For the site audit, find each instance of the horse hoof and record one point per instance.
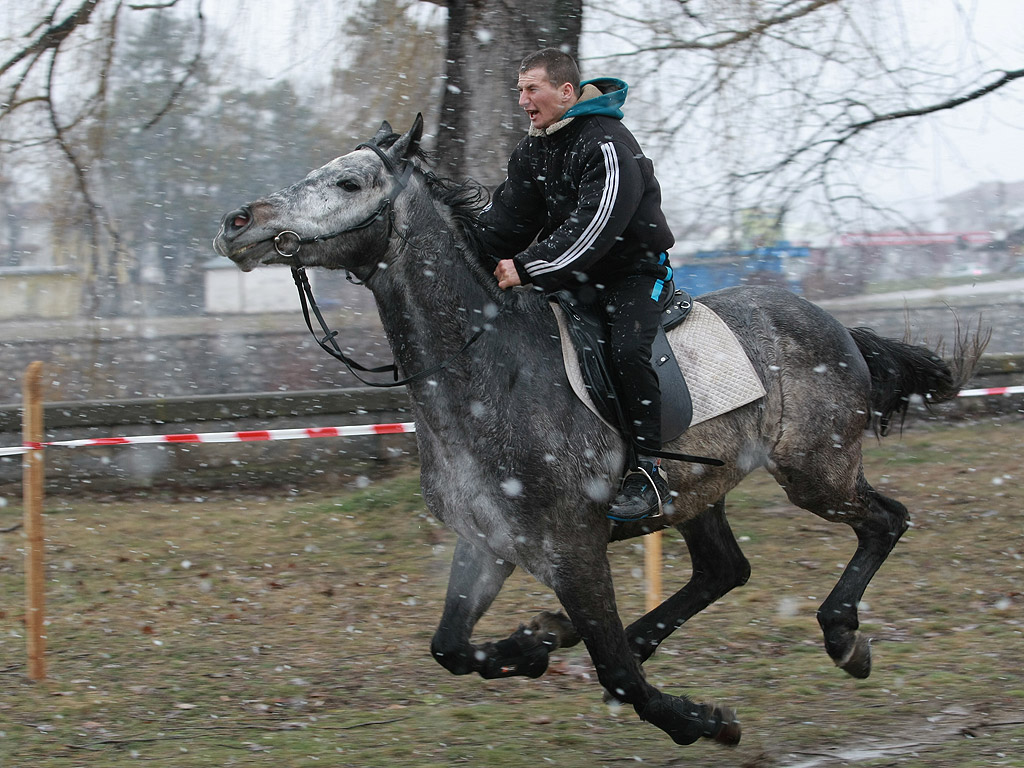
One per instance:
(509, 657)
(730, 733)
(685, 722)
(857, 661)
(557, 624)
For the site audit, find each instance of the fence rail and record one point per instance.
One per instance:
(267, 463)
(217, 465)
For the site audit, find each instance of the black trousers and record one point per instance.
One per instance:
(633, 309)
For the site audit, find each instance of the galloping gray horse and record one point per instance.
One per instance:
(523, 472)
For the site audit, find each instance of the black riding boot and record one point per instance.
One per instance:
(643, 494)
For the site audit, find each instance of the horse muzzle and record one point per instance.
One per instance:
(233, 226)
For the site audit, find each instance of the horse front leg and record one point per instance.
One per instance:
(583, 584)
(476, 578)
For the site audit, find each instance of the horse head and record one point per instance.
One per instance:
(340, 216)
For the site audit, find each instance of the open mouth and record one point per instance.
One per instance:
(237, 253)
(242, 255)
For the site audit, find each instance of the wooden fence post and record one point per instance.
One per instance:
(652, 569)
(32, 489)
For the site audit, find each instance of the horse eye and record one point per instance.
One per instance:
(348, 185)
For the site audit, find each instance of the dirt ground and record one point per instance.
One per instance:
(292, 628)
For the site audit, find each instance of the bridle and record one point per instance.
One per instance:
(288, 243)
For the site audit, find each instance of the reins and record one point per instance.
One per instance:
(329, 344)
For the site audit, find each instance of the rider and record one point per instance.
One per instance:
(580, 210)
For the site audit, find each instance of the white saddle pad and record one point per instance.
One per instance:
(717, 370)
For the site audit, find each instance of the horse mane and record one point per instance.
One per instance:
(466, 200)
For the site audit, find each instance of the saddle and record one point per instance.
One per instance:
(589, 337)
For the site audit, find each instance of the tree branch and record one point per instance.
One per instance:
(153, 6)
(734, 38)
(1007, 78)
(53, 36)
(193, 67)
(844, 135)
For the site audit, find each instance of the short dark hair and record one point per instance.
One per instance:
(559, 65)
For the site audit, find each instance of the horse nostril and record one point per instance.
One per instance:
(238, 220)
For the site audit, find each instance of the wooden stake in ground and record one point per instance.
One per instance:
(652, 569)
(32, 481)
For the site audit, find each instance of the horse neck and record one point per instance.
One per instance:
(432, 298)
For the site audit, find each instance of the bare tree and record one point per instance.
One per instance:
(55, 80)
(786, 103)
(396, 55)
(750, 105)
(480, 120)
(79, 88)
(58, 69)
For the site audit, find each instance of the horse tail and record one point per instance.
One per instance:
(900, 370)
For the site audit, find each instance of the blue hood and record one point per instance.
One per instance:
(609, 103)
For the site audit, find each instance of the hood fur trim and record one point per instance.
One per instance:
(589, 92)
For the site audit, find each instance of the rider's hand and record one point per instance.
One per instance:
(507, 275)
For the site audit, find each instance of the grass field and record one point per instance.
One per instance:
(292, 629)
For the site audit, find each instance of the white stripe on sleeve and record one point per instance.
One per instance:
(593, 230)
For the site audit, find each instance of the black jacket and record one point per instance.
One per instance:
(589, 197)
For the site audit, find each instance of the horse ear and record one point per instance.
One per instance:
(383, 132)
(408, 143)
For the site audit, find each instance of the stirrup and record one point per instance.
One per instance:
(654, 485)
(652, 514)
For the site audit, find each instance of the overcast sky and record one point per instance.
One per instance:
(976, 142)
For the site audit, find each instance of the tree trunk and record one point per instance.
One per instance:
(481, 121)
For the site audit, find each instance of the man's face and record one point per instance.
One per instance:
(544, 103)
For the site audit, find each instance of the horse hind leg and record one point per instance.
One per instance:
(717, 566)
(877, 533)
(879, 522)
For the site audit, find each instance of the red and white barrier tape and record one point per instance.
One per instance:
(303, 433)
(224, 437)
(991, 391)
